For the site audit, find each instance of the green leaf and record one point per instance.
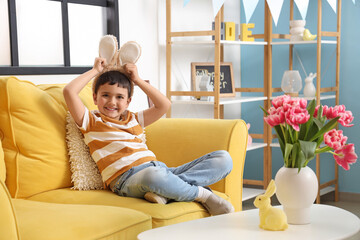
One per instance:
(323, 149)
(308, 149)
(331, 124)
(297, 157)
(311, 107)
(320, 112)
(318, 123)
(300, 160)
(291, 131)
(281, 138)
(294, 154)
(313, 129)
(320, 116)
(288, 149)
(266, 113)
(304, 128)
(320, 140)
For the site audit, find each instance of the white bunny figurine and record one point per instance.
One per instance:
(309, 89)
(273, 219)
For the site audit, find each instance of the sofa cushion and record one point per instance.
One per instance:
(8, 225)
(66, 221)
(162, 215)
(32, 119)
(2, 162)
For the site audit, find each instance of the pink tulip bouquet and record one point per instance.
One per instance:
(301, 130)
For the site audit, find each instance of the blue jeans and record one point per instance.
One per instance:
(178, 183)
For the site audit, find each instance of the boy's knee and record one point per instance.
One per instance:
(224, 160)
(153, 176)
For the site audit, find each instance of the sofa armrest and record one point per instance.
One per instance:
(178, 141)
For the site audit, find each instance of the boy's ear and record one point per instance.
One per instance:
(94, 98)
(129, 100)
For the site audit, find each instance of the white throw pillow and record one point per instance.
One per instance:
(85, 174)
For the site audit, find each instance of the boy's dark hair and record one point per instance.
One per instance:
(114, 77)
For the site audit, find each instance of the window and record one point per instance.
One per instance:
(58, 38)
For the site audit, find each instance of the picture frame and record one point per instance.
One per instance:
(227, 86)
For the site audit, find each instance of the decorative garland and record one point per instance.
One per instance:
(274, 5)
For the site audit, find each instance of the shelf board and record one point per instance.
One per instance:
(326, 190)
(303, 42)
(254, 146)
(249, 193)
(212, 42)
(322, 97)
(223, 101)
(261, 43)
(277, 145)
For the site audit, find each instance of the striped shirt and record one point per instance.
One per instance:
(115, 145)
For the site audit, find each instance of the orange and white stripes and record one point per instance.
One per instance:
(115, 145)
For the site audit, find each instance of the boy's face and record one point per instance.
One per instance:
(112, 100)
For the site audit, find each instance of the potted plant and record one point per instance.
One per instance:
(301, 130)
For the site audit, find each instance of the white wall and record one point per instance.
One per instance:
(196, 15)
(139, 22)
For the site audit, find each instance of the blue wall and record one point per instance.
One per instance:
(252, 68)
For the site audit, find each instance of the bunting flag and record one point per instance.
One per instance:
(332, 4)
(275, 9)
(302, 5)
(249, 8)
(217, 5)
(274, 5)
(186, 2)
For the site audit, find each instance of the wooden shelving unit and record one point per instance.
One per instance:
(320, 91)
(268, 40)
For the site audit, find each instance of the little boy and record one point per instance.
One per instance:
(114, 136)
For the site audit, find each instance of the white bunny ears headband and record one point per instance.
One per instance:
(116, 59)
(128, 53)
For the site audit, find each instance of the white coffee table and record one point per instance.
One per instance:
(327, 222)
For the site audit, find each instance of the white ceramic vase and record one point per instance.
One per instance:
(296, 191)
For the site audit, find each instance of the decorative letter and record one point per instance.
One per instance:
(230, 31)
(245, 33)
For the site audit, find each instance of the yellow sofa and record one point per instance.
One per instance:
(36, 199)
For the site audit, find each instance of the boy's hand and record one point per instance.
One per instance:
(132, 72)
(99, 64)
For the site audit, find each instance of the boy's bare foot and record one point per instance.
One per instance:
(217, 205)
(154, 198)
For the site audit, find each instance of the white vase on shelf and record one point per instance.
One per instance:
(309, 89)
(297, 28)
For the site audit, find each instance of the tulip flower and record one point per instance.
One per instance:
(300, 135)
(346, 156)
(335, 139)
